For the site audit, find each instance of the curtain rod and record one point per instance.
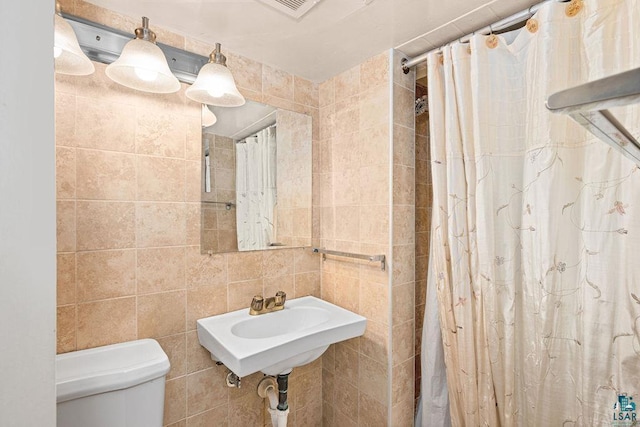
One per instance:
(516, 18)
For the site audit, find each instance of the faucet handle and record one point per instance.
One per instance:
(281, 297)
(257, 302)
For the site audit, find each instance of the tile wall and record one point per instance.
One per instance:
(354, 187)
(129, 262)
(367, 206)
(423, 224)
(218, 233)
(403, 319)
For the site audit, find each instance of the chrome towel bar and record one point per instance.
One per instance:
(373, 258)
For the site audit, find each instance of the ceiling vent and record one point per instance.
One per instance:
(294, 8)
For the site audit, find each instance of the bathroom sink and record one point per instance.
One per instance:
(277, 342)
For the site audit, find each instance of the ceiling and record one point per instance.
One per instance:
(332, 37)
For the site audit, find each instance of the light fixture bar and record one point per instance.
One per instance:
(104, 44)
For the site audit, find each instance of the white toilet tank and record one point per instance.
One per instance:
(120, 385)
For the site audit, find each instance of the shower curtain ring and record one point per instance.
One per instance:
(492, 40)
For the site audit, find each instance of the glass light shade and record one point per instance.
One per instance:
(215, 86)
(143, 66)
(208, 118)
(69, 58)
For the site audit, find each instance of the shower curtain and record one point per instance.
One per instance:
(256, 168)
(536, 229)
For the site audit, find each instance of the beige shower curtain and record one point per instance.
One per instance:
(536, 225)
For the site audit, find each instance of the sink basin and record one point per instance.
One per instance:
(277, 342)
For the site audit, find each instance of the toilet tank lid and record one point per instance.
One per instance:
(112, 367)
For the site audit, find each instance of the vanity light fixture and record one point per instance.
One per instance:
(214, 84)
(142, 65)
(208, 118)
(69, 58)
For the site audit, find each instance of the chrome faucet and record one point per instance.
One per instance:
(260, 305)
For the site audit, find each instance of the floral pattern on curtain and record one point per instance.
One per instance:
(536, 225)
(256, 198)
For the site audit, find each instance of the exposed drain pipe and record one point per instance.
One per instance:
(278, 406)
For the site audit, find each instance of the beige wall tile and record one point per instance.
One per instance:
(217, 417)
(308, 284)
(305, 92)
(198, 358)
(403, 342)
(326, 93)
(374, 146)
(346, 363)
(161, 133)
(245, 266)
(402, 413)
(374, 184)
(65, 173)
(404, 224)
(204, 302)
(346, 403)
(160, 269)
(403, 303)
(175, 405)
(347, 223)
(347, 84)
(241, 293)
(374, 301)
(66, 279)
(160, 179)
(66, 226)
(246, 411)
(403, 185)
(105, 175)
(375, 343)
(204, 270)
(374, 107)
(404, 263)
(277, 83)
(371, 412)
(277, 262)
(192, 184)
(106, 274)
(373, 379)
(374, 224)
(66, 332)
(106, 322)
(271, 285)
(175, 346)
(206, 390)
(374, 71)
(161, 314)
(404, 152)
(105, 125)
(403, 106)
(65, 111)
(402, 387)
(246, 72)
(192, 213)
(105, 225)
(160, 224)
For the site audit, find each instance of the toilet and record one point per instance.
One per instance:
(112, 386)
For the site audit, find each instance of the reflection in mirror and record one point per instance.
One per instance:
(256, 179)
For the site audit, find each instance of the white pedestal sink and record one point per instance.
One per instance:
(277, 342)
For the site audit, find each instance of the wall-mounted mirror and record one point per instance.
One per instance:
(256, 179)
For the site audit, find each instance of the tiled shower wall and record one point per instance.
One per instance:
(367, 197)
(129, 262)
(403, 278)
(355, 200)
(423, 225)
